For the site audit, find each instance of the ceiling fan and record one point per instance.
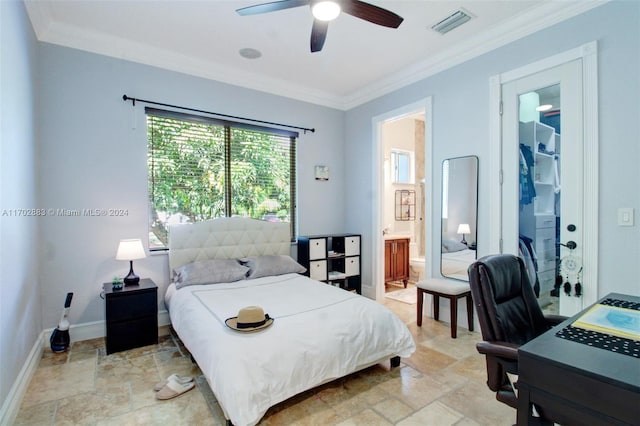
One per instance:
(325, 11)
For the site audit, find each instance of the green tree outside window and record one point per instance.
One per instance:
(202, 168)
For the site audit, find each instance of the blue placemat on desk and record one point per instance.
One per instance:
(601, 340)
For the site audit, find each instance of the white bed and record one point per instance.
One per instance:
(319, 332)
(455, 264)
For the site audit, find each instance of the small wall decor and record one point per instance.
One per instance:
(405, 205)
(322, 172)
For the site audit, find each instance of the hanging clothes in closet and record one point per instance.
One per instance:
(527, 189)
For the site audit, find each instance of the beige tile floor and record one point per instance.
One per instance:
(442, 383)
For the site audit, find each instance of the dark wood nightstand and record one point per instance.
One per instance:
(131, 315)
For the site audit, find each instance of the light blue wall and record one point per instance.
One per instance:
(461, 127)
(92, 157)
(20, 308)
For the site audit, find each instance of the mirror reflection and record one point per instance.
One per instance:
(459, 216)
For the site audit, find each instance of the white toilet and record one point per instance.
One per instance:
(416, 264)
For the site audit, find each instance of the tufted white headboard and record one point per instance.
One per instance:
(226, 238)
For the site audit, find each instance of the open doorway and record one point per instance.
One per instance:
(403, 217)
(404, 200)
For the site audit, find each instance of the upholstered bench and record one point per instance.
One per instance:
(452, 290)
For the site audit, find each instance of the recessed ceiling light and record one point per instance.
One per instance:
(250, 53)
(543, 108)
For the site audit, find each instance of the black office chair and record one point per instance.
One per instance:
(509, 316)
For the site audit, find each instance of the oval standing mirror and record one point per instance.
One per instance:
(459, 216)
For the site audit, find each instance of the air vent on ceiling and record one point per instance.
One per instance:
(452, 21)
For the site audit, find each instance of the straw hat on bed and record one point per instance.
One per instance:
(250, 318)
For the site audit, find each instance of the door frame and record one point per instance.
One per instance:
(588, 54)
(377, 249)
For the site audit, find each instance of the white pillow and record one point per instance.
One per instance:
(451, 246)
(209, 272)
(265, 266)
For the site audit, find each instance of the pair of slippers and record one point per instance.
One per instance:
(174, 386)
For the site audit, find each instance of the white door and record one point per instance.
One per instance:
(542, 189)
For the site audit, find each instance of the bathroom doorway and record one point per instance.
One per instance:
(403, 220)
(404, 200)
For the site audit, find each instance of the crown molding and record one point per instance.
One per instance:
(40, 17)
(532, 21)
(529, 22)
(50, 31)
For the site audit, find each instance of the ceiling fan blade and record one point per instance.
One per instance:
(371, 13)
(318, 34)
(272, 7)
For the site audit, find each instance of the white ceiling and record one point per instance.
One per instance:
(359, 62)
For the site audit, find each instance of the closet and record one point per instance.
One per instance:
(539, 209)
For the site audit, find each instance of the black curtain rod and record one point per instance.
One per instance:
(134, 100)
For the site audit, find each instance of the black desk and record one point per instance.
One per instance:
(577, 384)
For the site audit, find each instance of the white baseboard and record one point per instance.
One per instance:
(11, 405)
(96, 329)
(79, 332)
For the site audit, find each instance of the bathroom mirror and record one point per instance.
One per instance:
(459, 216)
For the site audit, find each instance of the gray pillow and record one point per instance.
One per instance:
(265, 266)
(209, 272)
(451, 246)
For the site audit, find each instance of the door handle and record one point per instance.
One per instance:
(570, 245)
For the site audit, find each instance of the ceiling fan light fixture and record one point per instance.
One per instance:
(325, 10)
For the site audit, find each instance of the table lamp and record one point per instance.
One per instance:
(130, 250)
(463, 228)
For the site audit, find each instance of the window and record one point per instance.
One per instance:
(201, 168)
(401, 166)
(445, 189)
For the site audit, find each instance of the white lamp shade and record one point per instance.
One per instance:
(130, 250)
(463, 228)
(325, 10)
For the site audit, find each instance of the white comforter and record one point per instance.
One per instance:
(320, 333)
(455, 264)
